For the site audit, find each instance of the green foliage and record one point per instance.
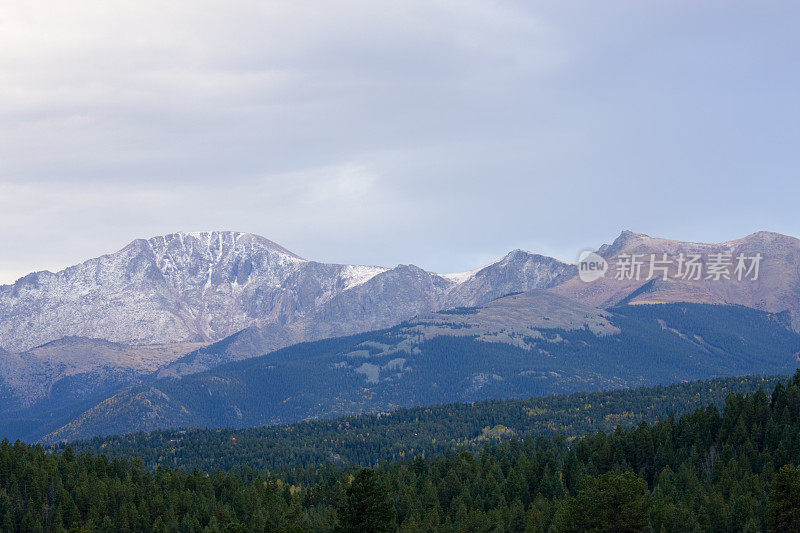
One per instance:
(783, 511)
(367, 507)
(611, 502)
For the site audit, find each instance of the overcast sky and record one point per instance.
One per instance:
(442, 134)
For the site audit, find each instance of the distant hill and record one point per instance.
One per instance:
(463, 355)
(43, 388)
(373, 439)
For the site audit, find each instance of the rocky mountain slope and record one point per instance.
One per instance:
(176, 288)
(776, 286)
(382, 301)
(400, 293)
(203, 287)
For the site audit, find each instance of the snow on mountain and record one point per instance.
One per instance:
(355, 275)
(205, 286)
(460, 277)
(519, 271)
(181, 287)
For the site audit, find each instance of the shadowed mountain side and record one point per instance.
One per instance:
(464, 355)
(48, 385)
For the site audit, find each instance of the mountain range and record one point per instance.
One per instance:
(204, 287)
(111, 333)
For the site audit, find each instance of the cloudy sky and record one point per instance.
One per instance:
(437, 133)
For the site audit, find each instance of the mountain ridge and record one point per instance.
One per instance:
(777, 287)
(205, 286)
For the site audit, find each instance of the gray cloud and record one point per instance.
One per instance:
(441, 133)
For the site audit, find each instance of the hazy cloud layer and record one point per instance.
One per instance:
(439, 133)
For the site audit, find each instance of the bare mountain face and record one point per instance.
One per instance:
(204, 287)
(382, 301)
(251, 296)
(774, 287)
(406, 291)
(177, 288)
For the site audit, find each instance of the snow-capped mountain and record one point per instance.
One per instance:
(190, 287)
(185, 303)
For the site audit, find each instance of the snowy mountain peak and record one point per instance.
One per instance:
(205, 286)
(219, 242)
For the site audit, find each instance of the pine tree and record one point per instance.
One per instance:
(367, 507)
(783, 511)
(608, 503)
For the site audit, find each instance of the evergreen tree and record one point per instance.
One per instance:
(367, 507)
(783, 511)
(611, 502)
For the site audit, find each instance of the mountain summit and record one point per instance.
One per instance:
(775, 287)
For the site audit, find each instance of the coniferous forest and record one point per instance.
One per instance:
(728, 469)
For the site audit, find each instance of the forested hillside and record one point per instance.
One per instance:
(368, 440)
(711, 470)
